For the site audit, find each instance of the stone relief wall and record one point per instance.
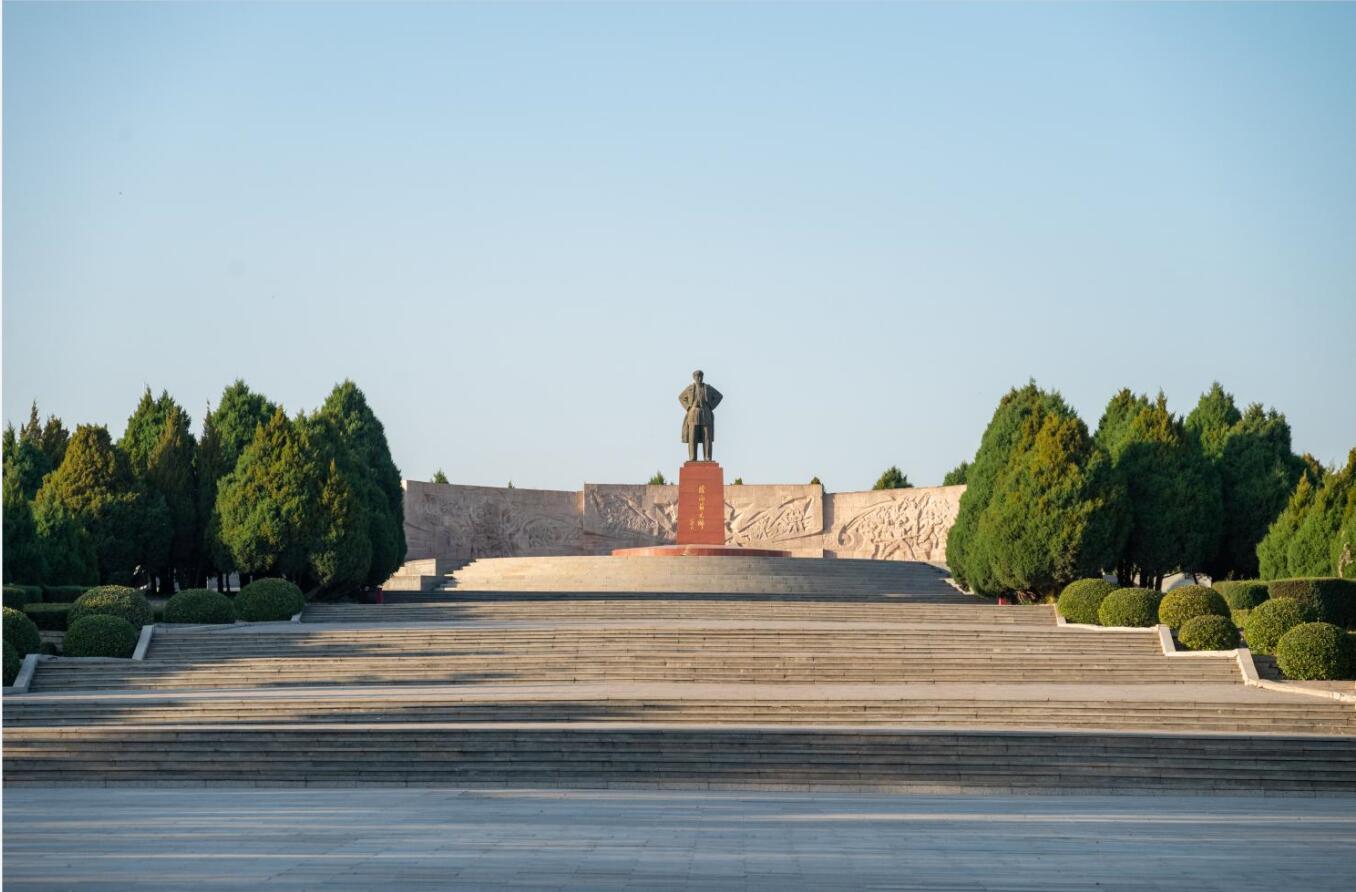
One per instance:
(460, 522)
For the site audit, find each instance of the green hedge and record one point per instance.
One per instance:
(113, 600)
(1315, 651)
(17, 596)
(1334, 600)
(1080, 599)
(64, 594)
(269, 600)
(1270, 620)
(199, 605)
(1242, 594)
(20, 631)
(49, 617)
(13, 662)
(100, 635)
(1209, 632)
(1188, 602)
(1130, 607)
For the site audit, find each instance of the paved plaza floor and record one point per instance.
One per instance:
(214, 838)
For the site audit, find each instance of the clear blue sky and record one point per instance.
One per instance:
(519, 228)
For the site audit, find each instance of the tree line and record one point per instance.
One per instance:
(315, 498)
(1148, 493)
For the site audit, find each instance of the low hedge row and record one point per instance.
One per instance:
(17, 596)
(63, 594)
(1333, 600)
(1242, 594)
(1080, 600)
(49, 617)
(1320, 651)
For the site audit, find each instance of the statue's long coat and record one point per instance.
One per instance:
(695, 415)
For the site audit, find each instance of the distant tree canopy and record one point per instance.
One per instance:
(1148, 494)
(315, 498)
(893, 478)
(439, 476)
(656, 479)
(814, 481)
(956, 476)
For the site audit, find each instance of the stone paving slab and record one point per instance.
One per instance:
(368, 838)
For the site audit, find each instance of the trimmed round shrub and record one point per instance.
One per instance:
(113, 600)
(1080, 599)
(1130, 607)
(1271, 619)
(268, 600)
(49, 617)
(17, 596)
(63, 594)
(1242, 594)
(1315, 651)
(1189, 602)
(1333, 599)
(199, 605)
(20, 631)
(13, 662)
(100, 635)
(1208, 632)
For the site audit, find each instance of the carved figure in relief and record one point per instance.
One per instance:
(699, 424)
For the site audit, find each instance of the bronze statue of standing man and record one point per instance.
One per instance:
(699, 425)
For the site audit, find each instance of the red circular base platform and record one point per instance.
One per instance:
(698, 551)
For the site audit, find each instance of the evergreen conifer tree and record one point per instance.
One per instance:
(361, 434)
(1173, 490)
(1057, 511)
(1310, 550)
(160, 450)
(269, 504)
(1272, 559)
(967, 564)
(893, 478)
(127, 526)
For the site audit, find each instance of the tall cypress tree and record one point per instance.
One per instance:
(1272, 559)
(227, 430)
(24, 561)
(996, 448)
(1057, 513)
(1310, 550)
(160, 450)
(128, 527)
(269, 504)
(361, 434)
(1173, 490)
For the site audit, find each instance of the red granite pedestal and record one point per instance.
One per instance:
(701, 504)
(701, 519)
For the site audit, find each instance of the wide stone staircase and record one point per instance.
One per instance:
(676, 671)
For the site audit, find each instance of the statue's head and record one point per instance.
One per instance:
(697, 376)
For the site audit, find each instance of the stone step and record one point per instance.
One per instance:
(452, 611)
(1316, 718)
(741, 757)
